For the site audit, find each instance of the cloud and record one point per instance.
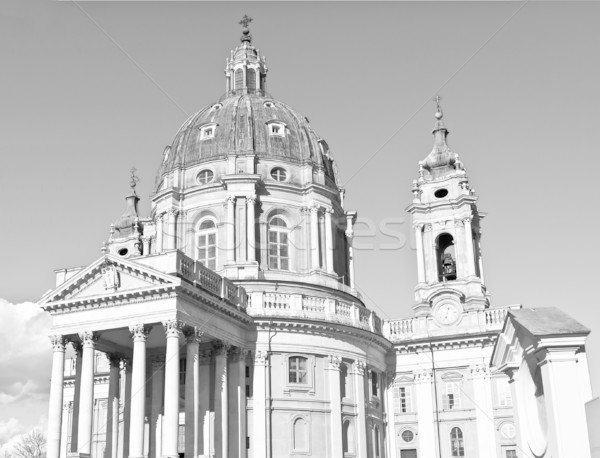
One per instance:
(26, 362)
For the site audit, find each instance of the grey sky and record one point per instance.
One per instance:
(77, 113)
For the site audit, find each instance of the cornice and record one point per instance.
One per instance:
(447, 343)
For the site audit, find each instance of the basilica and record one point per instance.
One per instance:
(227, 323)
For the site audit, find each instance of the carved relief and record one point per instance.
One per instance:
(360, 367)
(88, 339)
(173, 328)
(261, 357)
(423, 376)
(111, 277)
(139, 332)
(58, 343)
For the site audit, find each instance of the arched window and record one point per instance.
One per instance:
(206, 240)
(251, 80)
(446, 257)
(279, 256)
(300, 432)
(344, 382)
(298, 369)
(456, 442)
(348, 436)
(239, 77)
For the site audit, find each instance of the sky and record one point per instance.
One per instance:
(91, 89)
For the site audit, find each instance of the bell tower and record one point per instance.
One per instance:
(447, 229)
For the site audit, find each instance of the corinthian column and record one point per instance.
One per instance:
(230, 202)
(192, 408)
(221, 402)
(484, 409)
(86, 394)
(171, 418)
(56, 397)
(112, 415)
(250, 204)
(259, 409)
(423, 388)
(159, 233)
(420, 259)
(172, 229)
(469, 247)
(139, 334)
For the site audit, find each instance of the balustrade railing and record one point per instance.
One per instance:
(312, 307)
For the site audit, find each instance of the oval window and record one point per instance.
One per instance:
(441, 193)
(407, 435)
(205, 176)
(123, 252)
(279, 174)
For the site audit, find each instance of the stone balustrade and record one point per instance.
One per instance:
(489, 320)
(313, 308)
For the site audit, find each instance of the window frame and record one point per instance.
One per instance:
(276, 129)
(457, 451)
(273, 174)
(278, 261)
(309, 386)
(208, 131)
(201, 181)
(451, 398)
(205, 233)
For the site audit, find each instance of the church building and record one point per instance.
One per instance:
(227, 323)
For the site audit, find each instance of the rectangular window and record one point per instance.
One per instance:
(247, 441)
(248, 391)
(405, 399)
(412, 453)
(247, 371)
(504, 395)
(298, 372)
(374, 384)
(451, 398)
(182, 368)
(511, 454)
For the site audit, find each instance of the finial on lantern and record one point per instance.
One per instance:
(134, 179)
(246, 20)
(439, 114)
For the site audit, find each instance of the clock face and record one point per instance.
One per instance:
(448, 313)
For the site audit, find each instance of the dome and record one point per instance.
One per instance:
(243, 124)
(246, 121)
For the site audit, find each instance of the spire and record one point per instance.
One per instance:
(441, 159)
(127, 223)
(245, 70)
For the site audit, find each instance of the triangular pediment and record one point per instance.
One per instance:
(108, 276)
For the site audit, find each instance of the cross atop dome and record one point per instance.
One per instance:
(246, 20)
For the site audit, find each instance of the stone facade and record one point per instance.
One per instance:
(227, 322)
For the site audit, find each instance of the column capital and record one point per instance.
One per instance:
(314, 207)
(204, 355)
(192, 335)
(221, 348)
(238, 354)
(428, 227)
(261, 357)
(58, 343)
(173, 328)
(423, 376)
(159, 217)
(479, 371)
(88, 339)
(467, 220)
(251, 199)
(139, 332)
(114, 359)
(360, 367)
(172, 211)
(418, 226)
(458, 223)
(230, 200)
(334, 362)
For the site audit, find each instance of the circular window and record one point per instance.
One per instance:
(217, 106)
(123, 251)
(408, 435)
(508, 430)
(441, 193)
(205, 176)
(268, 104)
(279, 174)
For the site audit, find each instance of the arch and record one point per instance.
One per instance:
(278, 242)
(446, 257)
(239, 79)
(457, 444)
(300, 434)
(206, 241)
(251, 79)
(348, 434)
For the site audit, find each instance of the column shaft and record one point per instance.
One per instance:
(329, 240)
(420, 260)
(335, 400)
(86, 395)
(314, 237)
(204, 402)
(221, 403)
(191, 397)
(159, 233)
(75, 414)
(55, 410)
(425, 413)
(361, 420)
(172, 230)
(138, 392)
(230, 229)
(112, 415)
(258, 442)
(251, 224)
(484, 410)
(158, 382)
(469, 247)
(170, 430)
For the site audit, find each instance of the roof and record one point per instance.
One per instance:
(548, 321)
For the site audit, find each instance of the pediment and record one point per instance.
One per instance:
(108, 276)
